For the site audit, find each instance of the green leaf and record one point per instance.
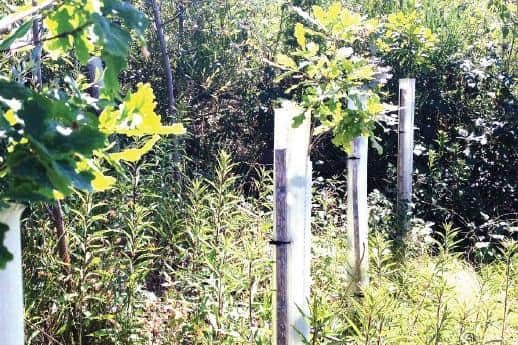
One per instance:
(114, 65)
(114, 39)
(300, 35)
(20, 32)
(59, 22)
(83, 47)
(131, 16)
(81, 180)
(29, 179)
(285, 60)
(60, 128)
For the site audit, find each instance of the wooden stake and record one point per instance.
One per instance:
(281, 242)
(357, 212)
(405, 155)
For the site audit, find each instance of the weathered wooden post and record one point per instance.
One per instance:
(281, 239)
(292, 221)
(405, 156)
(357, 212)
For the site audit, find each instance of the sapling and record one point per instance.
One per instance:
(55, 144)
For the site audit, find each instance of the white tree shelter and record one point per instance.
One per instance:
(293, 172)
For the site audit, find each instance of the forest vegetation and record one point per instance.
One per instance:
(149, 183)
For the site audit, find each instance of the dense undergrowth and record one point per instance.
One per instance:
(162, 261)
(192, 265)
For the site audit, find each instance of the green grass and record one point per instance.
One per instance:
(193, 266)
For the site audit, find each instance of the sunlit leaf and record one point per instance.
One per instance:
(19, 33)
(133, 155)
(102, 182)
(136, 116)
(285, 60)
(299, 35)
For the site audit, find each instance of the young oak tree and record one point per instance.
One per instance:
(332, 66)
(54, 143)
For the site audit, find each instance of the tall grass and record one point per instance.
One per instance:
(192, 265)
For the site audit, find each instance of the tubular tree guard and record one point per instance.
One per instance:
(357, 212)
(11, 280)
(406, 112)
(292, 226)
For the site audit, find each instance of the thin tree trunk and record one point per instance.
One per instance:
(36, 52)
(168, 78)
(64, 253)
(181, 21)
(165, 59)
(55, 211)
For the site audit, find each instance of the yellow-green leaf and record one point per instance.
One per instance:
(11, 117)
(319, 14)
(136, 116)
(334, 11)
(133, 155)
(102, 182)
(285, 60)
(299, 35)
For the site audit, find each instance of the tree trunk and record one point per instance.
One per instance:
(64, 254)
(36, 52)
(168, 78)
(55, 211)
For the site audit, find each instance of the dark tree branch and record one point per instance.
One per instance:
(61, 35)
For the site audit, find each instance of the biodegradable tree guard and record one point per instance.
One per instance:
(292, 221)
(405, 154)
(11, 280)
(357, 212)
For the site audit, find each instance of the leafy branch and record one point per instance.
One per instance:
(9, 21)
(46, 39)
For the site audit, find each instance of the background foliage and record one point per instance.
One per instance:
(157, 260)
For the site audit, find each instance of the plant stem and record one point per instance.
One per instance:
(506, 298)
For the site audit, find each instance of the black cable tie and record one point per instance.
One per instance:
(279, 243)
(353, 158)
